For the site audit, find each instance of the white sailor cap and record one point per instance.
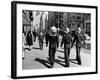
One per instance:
(79, 29)
(67, 30)
(53, 29)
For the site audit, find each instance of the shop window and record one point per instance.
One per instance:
(78, 18)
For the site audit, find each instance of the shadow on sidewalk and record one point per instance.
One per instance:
(62, 63)
(35, 48)
(60, 51)
(70, 60)
(27, 49)
(44, 62)
(73, 61)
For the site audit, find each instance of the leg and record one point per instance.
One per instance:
(66, 57)
(54, 51)
(39, 44)
(68, 52)
(62, 42)
(78, 58)
(34, 38)
(51, 56)
(42, 45)
(23, 52)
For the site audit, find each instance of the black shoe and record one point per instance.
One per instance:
(23, 58)
(51, 65)
(76, 59)
(66, 65)
(79, 62)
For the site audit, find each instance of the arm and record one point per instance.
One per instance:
(84, 42)
(83, 39)
(71, 38)
(57, 41)
(32, 36)
(47, 39)
(73, 41)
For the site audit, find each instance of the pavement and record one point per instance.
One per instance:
(38, 59)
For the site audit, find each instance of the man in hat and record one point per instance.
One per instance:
(79, 39)
(67, 38)
(53, 44)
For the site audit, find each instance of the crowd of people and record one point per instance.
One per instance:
(69, 38)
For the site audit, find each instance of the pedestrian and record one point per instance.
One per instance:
(67, 39)
(79, 39)
(29, 38)
(34, 34)
(41, 35)
(53, 44)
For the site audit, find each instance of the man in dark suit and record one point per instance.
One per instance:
(53, 44)
(67, 45)
(41, 40)
(79, 39)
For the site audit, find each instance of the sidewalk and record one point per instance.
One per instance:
(38, 59)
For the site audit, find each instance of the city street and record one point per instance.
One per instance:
(38, 59)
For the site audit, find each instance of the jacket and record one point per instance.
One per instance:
(79, 39)
(67, 40)
(53, 41)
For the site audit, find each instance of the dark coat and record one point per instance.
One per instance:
(67, 38)
(29, 39)
(53, 41)
(79, 39)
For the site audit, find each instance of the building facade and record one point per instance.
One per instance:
(55, 19)
(35, 20)
(75, 20)
(26, 21)
(87, 23)
(51, 19)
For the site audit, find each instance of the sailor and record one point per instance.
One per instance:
(67, 38)
(53, 44)
(79, 39)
